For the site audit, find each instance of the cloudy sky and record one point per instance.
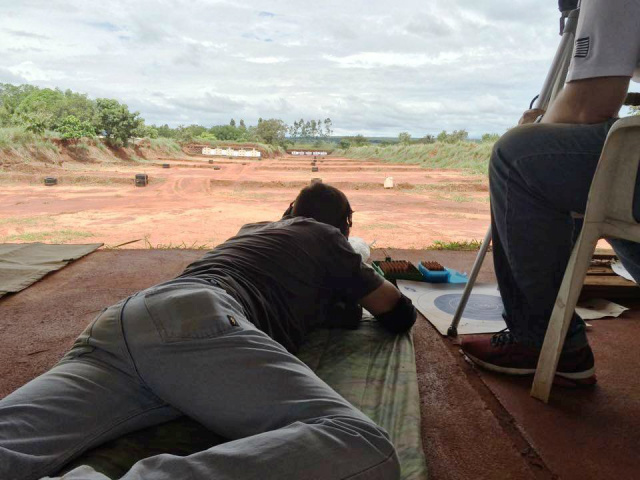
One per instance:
(374, 67)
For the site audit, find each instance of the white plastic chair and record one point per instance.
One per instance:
(608, 214)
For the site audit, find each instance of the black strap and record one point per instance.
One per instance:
(565, 5)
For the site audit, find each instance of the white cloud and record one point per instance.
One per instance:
(33, 73)
(267, 59)
(393, 59)
(420, 66)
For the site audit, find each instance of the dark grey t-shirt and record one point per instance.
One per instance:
(286, 274)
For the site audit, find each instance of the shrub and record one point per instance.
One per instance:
(72, 127)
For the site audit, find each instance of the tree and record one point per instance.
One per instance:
(40, 107)
(115, 120)
(232, 123)
(77, 105)
(72, 127)
(453, 137)
(359, 140)
(490, 137)
(206, 137)
(10, 98)
(328, 127)
(145, 131)
(428, 139)
(344, 143)
(188, 134)
(272, 131)
(226, 132)
(294, 130)
(166, 131)
(242, 125)
(404, 138)
(36, 122)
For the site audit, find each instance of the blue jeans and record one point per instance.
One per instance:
(539, 175)
(185, 347)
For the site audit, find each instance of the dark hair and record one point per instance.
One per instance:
(325, 204)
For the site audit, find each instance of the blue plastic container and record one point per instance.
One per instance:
(433, 276)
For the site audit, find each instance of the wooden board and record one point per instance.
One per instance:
(602, 282)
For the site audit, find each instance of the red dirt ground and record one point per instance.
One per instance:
(191, 204)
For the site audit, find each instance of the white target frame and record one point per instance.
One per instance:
(437, 302)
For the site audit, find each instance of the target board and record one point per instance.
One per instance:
(438, 303)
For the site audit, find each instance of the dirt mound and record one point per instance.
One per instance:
(449, 187)
(56, 152)
(38, 179)
(331, 168)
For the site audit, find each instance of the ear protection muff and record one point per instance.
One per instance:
(289, 210)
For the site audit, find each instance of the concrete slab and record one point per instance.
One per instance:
(39, 324)
(466, 433)
(586, 434)
(582, 434)
(474, 424)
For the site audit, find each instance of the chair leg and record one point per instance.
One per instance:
(477, 265)
(563, 312)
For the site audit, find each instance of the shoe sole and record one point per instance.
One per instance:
(576, 376)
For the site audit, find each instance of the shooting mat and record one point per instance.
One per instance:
(22, 264)
(371, 368)
(438, 302)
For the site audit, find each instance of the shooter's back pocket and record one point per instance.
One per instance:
(188, 312)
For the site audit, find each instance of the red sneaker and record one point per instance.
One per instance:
(503, 354)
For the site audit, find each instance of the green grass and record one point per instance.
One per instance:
(18, 138)
(176, 246)
(463, 245)
(80, 146)
(469, 156)
(24, 221)
(165, 144)
(324, 146)
(458, 198)
(60, 236)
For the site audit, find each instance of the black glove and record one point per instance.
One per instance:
(401, 317)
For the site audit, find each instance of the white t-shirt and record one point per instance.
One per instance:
(607, 41)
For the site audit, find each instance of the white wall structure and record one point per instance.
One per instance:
(231, 152)
(300, 152)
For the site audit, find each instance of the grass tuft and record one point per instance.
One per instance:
(470, 156)
(463, 245)
(168, 145)
(176, 246)
(59, 236)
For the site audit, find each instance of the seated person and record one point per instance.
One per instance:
(216, 344)
(540, 175)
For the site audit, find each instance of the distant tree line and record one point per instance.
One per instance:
(405, 138)
(72, 115)
(311, 130)
(272, 131)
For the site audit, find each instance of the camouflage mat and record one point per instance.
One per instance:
(371, 368)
